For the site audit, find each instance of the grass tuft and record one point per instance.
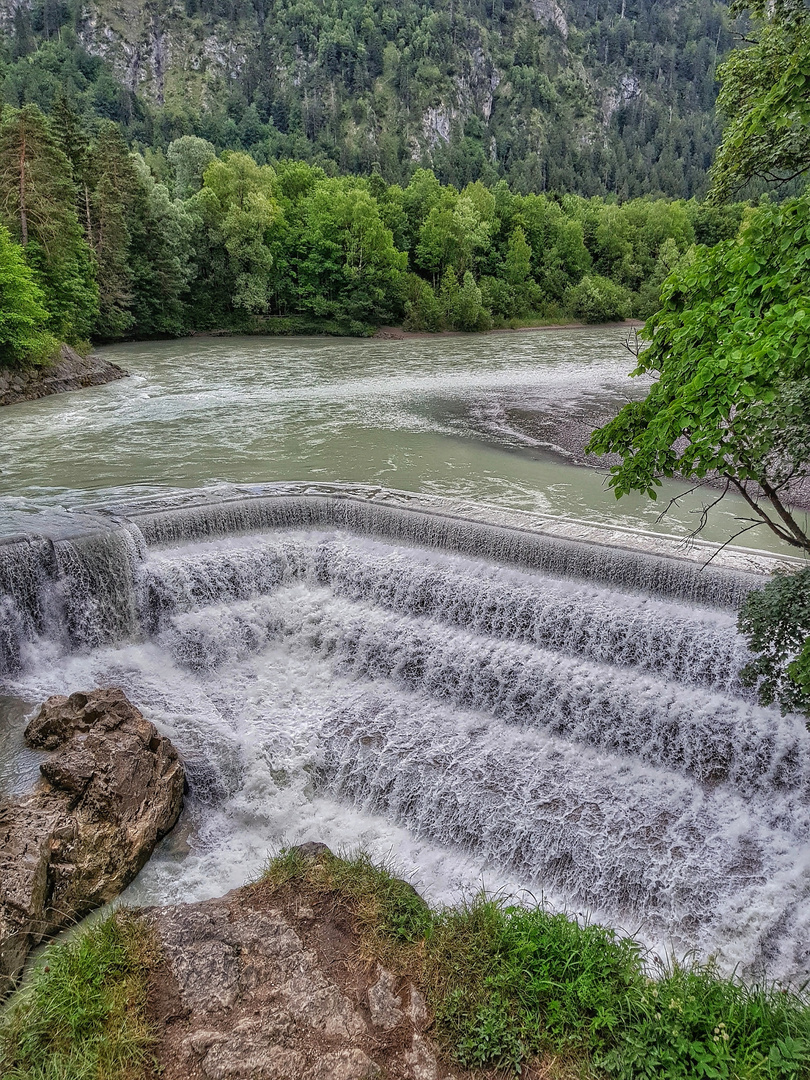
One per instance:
(83, 1014)
(388, 911)
(510, 986)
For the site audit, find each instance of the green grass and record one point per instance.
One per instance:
(509, 986)
(82, 1015)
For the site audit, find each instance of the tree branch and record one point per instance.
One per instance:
(756, 525)
(776, 528)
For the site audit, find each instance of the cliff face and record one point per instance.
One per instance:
(582, 95)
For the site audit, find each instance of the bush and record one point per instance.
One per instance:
(597, 300)
(422, 309)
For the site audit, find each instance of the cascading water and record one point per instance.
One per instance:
(479, 699)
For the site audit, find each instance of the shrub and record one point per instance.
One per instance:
(596, 300)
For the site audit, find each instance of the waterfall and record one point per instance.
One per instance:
(560, 710)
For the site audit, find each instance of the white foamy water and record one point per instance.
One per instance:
(482, 705)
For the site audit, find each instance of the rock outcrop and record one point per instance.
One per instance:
(111, 788)
(69, 371)
(267, 984)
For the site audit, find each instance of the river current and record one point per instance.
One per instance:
(521, 702)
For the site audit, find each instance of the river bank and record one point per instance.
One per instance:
(67, 371)
(330, 968)
(399, 333)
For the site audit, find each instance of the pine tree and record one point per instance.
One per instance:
(111, 202)
(35, 177)
(74, 143)
(37, 204)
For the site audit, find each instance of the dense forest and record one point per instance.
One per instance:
(595, 97)
(270, 176)
(101, 249)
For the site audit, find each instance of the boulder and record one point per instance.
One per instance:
(111, 788)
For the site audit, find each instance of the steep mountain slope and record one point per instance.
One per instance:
(595, 96)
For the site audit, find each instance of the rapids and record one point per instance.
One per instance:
(483, 697)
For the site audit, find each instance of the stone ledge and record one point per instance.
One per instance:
(69, 371)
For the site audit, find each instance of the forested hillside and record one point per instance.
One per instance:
(587, 96)
(93, 246)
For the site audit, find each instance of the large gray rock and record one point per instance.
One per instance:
(262, 985)
(112, 787)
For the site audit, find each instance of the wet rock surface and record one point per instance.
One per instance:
(69, 371)
(264, 985)
(111, 788)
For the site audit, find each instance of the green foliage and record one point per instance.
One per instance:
(37, 204)
(351, 269)
(766, 97)
(513, 983)
(244, 212)
(23, 318)
(422, 310)
(188, 158)
(83, 1015)
(597, 299)
(160, 257)
(693, 1024)
(731, 350)
(776, 623)
(510, 986)
(109, 209)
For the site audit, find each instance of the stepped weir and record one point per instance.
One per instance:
(556, 703)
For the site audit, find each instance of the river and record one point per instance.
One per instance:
(482, 705)
(425, 414)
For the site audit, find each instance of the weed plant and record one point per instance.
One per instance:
(509, 985)
(83, 1014)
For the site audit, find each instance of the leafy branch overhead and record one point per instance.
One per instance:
(766, 97)
(730, 349)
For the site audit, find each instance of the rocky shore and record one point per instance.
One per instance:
(68, 371)
(111, 787)
(270, 983)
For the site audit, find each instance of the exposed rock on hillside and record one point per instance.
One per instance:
(112, 787)
(69, 371)
(259, 984)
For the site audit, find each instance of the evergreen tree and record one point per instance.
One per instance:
(160, 257)
(112, 199)
(74, 143)
(37, 203)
